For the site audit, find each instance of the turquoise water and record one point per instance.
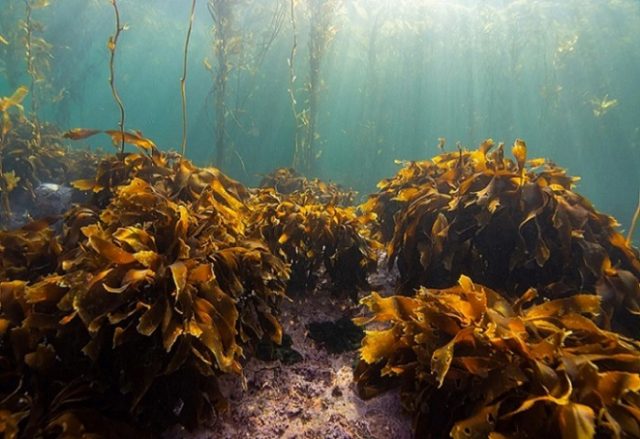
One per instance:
(393, 77)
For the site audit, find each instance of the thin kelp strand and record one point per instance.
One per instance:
(292, 80)
(221, 14)
(183, 80)
(113, 42)
(31, 69)
(634, 221)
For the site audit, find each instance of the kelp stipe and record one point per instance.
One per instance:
(322, 31)
(183, 80)
(112, 46)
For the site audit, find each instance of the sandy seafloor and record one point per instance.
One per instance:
(311, 399)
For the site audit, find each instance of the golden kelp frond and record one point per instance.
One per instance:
(174, 177)
(152, 296)
(134, 138)
(472, 364)
(15, 100)
(28, 252)
(310, 236)
(287, 181)
(510, 225)
(457, 173)
(80, 133)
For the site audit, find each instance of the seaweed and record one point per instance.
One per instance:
(30, 156)
(112, 46)
(149, 293)
(473, 363)
(322, 31)
(312, 236)
(287, 181)
(509, 225)
(183, 79)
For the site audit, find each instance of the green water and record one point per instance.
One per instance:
(394, 76)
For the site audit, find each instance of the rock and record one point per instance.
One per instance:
(51, 200)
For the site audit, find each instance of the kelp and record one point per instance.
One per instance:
(287, 181)
(508, 224)
(28, 252)
(30, 156)
(112, 46)
(312, 236)
(169, 171)
(475, 364)
(149, 293)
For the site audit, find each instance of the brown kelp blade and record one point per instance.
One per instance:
(132, 138)
(15, 100)
(80, 133)
(495, 366)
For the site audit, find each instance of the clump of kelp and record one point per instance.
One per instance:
(150, 292)
(312, 235)
(508, 224)
(287, 181)
(474, 364)
(530, 354)
(32, 153)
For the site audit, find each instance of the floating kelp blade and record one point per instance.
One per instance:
(132, 138)
(80, 133)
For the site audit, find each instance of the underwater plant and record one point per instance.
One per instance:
(322, 31)
(508, 224)
(112, 46)
(38, 56)
(11, 51)
(473, 363)
(311, 235)
(287, 181)
(31, 155)
(634, 222)
(237, 51)
(183, 79)
(148, 296)
(221, 14)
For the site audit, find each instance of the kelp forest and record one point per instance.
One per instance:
(290, 219)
